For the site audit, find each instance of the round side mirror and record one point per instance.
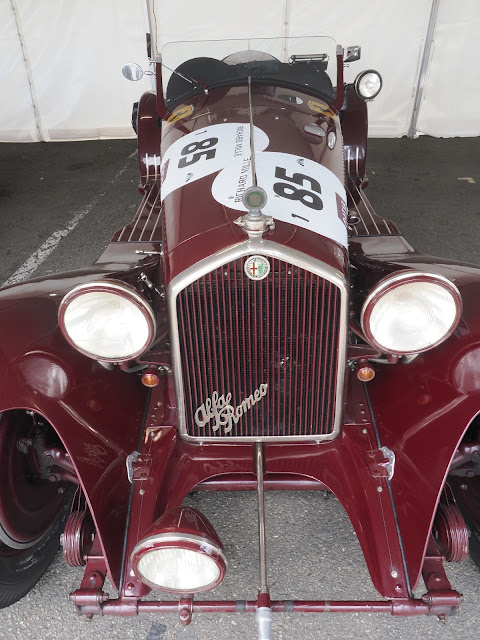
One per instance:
(132, 71)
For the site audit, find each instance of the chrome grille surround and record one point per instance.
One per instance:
(285, 254)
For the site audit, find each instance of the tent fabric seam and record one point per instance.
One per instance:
(28, 69)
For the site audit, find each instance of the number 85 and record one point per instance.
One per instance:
(308, 198)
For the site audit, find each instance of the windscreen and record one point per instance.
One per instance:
(306, 64)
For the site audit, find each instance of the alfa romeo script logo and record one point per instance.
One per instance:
(257, 267)
(221, 411)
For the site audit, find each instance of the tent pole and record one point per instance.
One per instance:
(412, 132)
(28, 69)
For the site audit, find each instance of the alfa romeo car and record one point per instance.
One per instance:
(257, 326)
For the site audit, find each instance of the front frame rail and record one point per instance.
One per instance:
(402, 607)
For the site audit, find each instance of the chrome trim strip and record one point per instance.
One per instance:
(204, 544)
(145, 225)
(138, 218)
(274, 250)
(159, 217)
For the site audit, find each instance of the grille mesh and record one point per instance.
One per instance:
(237, 334)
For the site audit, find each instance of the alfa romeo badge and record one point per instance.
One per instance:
(257, 267)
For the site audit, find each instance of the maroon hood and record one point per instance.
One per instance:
(198, 222)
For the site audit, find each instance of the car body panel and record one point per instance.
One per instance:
(388, 461)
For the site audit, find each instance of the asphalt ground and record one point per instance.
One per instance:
(59, 205)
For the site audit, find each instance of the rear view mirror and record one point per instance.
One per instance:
(351, 54)
(132, 71)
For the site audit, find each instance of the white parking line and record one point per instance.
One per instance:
(51, 243)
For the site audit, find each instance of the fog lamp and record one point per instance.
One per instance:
(368, 84)
(181, 553)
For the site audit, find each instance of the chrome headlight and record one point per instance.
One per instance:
(179, 564)
(107, 320)
(180, 553)
(411, 312)
(368, 84)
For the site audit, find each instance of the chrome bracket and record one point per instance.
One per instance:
(255, 223)
(138, 466)
(381, 463)
(143, 277)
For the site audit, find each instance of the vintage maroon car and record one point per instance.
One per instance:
(257, 326)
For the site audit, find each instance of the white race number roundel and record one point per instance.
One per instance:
(299, 191)
(206, 151)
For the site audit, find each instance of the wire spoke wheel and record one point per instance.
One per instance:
(32, 509)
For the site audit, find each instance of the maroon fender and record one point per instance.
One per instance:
(423, 408)
(355, 133)
(149, 135)
(97, 413)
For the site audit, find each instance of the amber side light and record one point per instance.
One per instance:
(150, 378)
(365, 374)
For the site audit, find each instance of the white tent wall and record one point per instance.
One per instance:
(17, 117)
(391, 33)
(74, 50)
(392, 36)
(451, 95)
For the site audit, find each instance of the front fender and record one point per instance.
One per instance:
(423, 409)
(97, 413)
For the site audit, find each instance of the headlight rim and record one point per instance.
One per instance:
(359, 78)
(191, 542)
(117, 287)
(391, 282)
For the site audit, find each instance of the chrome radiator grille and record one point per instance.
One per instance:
(237, 335)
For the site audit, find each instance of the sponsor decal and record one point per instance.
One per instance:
(95, 455)
(320, 107)
(288, 97)
(342, 210)
(163, 172)
(257, 267)
(180, 113)
(219, 409)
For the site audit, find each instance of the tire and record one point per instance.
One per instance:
(467, 497)
(33, 510)
(467, 494)
(135, 117)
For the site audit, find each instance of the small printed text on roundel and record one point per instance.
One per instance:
(257, 267)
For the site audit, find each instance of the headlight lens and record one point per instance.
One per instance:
(411, 312)
(107, 320)
(368, 84)
(179, 564)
